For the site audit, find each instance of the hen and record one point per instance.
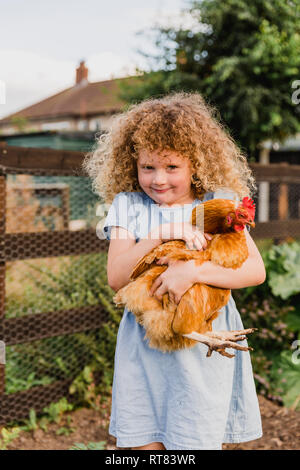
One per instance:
(170, 326)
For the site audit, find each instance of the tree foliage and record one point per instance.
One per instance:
(242, 56)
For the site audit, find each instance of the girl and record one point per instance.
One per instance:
(160, 159)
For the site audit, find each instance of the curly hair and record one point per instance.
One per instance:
(180, 122)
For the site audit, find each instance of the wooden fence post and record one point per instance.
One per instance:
(2, 274)
(264, 189)
(283, 204)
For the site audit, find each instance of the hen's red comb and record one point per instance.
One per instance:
(248, 204)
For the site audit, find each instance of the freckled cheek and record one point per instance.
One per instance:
(145, 180)
(176, 181)
(181, 182)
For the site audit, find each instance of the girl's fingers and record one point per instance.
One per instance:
(155, 285)
(203, 241)
(173, 297)
(208, 235)
(162, 260)
(199, 242)
(159, 293)
(190, 245)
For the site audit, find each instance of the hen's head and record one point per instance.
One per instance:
(243, 215)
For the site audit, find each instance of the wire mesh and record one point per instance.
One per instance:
(53, 306)
(53, 286)
(277, 211)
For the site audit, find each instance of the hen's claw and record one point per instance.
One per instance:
(220, 340)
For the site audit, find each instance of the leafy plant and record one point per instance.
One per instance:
(285, 377)
(85, 389)
(81, 282)
(241, 56)
(55, 410)
(32, 420)
(90, 446)
(283, 267)
(8, 435)
(66, 430)
(275, 311)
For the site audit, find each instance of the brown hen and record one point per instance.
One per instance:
(169, 326)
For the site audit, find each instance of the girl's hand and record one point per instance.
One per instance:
(176, 279)
(195, 239)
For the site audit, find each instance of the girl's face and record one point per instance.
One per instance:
(165, 177)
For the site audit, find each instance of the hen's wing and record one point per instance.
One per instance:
(168, 248)
(229, 250)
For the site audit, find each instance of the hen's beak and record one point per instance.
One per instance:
(251, 223)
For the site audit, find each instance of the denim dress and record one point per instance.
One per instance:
(182, 398)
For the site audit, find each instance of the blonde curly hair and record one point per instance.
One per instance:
(180, 122)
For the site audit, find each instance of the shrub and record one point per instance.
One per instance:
(274, 307)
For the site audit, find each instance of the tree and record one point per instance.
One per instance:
(242, 56)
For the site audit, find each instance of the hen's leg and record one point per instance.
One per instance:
(220, 340)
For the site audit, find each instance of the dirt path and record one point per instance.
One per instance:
(281, 429)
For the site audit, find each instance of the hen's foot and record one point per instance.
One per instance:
(220, 340)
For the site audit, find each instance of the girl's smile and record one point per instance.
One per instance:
(165, 177)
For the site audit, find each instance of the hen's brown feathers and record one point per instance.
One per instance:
(166, 322)
(165, 249)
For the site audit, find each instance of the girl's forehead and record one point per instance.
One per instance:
(161, 157)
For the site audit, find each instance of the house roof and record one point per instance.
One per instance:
(81, 100)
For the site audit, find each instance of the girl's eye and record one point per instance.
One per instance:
(148, 167)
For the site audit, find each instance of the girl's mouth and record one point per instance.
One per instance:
(160, 190)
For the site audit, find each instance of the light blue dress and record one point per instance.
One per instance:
(183, 399)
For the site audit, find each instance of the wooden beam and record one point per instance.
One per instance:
(41, 159)
(276, 173)
(46, 325)
(32, 245)
(276, 229)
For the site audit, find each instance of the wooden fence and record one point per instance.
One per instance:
(20, 246)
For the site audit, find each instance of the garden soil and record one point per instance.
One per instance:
(281, 428)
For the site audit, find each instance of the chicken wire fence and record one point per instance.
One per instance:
(54, 293)
(53, 287)
(277, 202)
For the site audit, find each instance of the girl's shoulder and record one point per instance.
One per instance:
(124, 211)
(222, 193)
(131, 197)
(126, 198)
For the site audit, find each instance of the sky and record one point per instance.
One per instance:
(43, 41)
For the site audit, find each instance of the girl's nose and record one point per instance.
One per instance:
(159, 178)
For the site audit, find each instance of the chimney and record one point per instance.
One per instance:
(82, 74)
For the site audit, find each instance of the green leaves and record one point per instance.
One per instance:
(274, 308)
(283, 269)
(286, 375)
(90, 446)
(235, 48)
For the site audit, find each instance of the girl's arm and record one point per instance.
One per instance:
(123, 254)
(251, 273)
(181, 275)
